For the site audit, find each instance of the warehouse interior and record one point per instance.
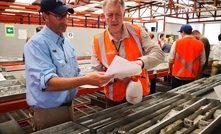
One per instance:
(191, 109)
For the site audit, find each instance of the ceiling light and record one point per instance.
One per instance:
(81, 8)
(99, 11)
(10, 10)
(87, 15)
(92, 5)
(8, 14)
(17, 7)
(21, 11)
(25, 1)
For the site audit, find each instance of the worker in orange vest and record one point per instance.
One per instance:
(186, 58)
(161, 41)
(131, 42)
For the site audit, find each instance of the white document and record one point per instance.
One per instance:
(218, 91)
(2, 78)
(121, 68)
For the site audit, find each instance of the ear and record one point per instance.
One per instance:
(45, 17)
(102, 16)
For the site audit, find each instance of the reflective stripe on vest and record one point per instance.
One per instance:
(187, 65)
(136, 38)
(102, 49)
(187, 58)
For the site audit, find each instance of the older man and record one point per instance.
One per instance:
(131, 42)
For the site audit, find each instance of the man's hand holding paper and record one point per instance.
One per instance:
(122, 68)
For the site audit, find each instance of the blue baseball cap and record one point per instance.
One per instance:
(186, 28)
(55, 6)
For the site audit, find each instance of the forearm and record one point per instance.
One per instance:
(153, 58)
(61, 84)
(170, 68)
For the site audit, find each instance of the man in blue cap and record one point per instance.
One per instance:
(186, 58)
(52, 72)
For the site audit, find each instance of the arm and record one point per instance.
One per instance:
(153, 55)
(202, 59)
(171, 58)
(42, 71)
(95, 78)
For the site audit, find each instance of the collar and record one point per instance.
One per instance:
(54, 37)
(125, 33)
(188, 36)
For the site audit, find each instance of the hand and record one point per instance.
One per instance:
(98, 78)
(139, 62)
(169, 72)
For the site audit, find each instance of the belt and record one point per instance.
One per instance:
(66, 104)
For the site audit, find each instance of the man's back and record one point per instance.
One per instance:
(188, 52)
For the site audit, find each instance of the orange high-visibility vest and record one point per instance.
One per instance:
(106, 51)
(187, 58)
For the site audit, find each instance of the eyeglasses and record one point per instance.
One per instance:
(60, 17)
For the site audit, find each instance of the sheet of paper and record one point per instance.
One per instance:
(123, 68)
(218, 91)
(2, 78)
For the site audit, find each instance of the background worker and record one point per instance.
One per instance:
(206, 43)
(186, 58)
(122, 40)
(171, 39)
(216, 66)
(161, 40)
(52, 72)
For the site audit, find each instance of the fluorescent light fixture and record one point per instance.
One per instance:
(8, 14)
(17, 7)
(183, 6)
(11, 10)
(87, 15)
(20, 11)
(80, 17)
(81, 8)
(25, 1)
(99, 11)
(92, 5)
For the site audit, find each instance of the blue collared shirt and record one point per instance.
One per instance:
(48, 55)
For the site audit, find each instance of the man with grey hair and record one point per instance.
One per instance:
(128, 41)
